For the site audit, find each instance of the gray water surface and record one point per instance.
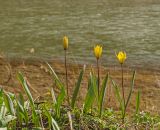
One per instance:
(130, 25)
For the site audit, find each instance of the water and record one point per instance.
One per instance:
(130, 25)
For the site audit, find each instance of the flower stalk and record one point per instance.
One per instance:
(98, 54)
(65, 45)
(98, 77)
(124, 102)
(122, 83)
(66, 70)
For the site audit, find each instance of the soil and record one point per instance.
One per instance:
(40, 81)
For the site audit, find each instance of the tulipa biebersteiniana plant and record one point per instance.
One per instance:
(100, 94)
(65, 46)
(98, 54)
(60, 98)
(123, 104)
(62, 92)
(5, 104)
(121, 56)
(18, 111)
(92, 94)
(23, 82)
(36, 112)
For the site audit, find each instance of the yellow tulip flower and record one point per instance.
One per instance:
(121, 56)
(65, 42)
(65, 46)
(98, 51)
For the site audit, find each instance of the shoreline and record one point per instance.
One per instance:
(40, 80)
(34, 60)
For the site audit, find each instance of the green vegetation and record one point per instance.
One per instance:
(24, 112)
(17, 113)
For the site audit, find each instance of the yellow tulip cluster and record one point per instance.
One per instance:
(121, 56)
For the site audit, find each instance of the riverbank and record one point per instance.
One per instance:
(40, 81)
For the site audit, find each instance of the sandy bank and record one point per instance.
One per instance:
(40, 80)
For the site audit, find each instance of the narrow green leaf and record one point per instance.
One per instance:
(9, 103)
(118, 96)
(23, 112)
(3, 110)
(48, 114)
(21, 99)
(60, 98)
(90, 95)
(8, 119)
(53, 96)
(102, 93)
(26, 89)
(138, 102)
(76, 90)
(55, 125)
(131, 90)
(1, 97)
(55, 77)
(94, 83)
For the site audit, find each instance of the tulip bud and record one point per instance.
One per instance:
(121, 56)
(98, 51)
(65, 42)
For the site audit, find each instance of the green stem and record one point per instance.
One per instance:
(98, 76)
(66, 77)
(123, 92)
